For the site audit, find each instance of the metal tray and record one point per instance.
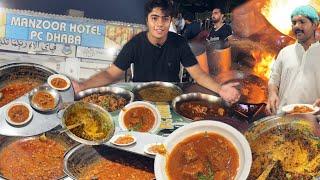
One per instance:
(141, 86)
(103, 90)
(41, 122)
(61, 138)
(81, 156)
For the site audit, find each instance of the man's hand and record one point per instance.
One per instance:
(229, 93)
(317, 102)
(273, 103)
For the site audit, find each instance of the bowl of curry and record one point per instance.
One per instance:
(204, 150)
(18, 113)
(140, 116)
(59, 82)
(44, 99)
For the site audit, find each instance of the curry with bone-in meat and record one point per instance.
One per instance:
(203, 156)
(139, 119)
(32, 159)
(200, 109)
(110, 102)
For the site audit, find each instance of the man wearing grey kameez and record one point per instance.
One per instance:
(295, 75)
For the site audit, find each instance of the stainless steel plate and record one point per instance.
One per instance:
(128, 95)
(195, 96)
(60, 138)
(46, 89)
(80, 157)
(141, 86)
(40, 122)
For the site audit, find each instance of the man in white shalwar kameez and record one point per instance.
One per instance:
(295, 75)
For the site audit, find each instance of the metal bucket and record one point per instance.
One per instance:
(219, 57)
(199, 51)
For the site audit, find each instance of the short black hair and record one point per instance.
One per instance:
(221, 9)
(165, 5)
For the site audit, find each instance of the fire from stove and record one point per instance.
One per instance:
(264, 61)
(278, 12)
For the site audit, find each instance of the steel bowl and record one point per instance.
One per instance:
(78, 107)
(196, 96)
(63, 139)
(286, 127)
(47, 89)
(141, 86)
(80, 157)
(128, 95)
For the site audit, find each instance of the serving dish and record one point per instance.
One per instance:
(116, 91)
(113, 163)
(156, 91)
(285, 146)
(202, 127)
(13, 113)
(198, 106)
(44, 99)
(59, 82)
(140, 116)
(300, 109)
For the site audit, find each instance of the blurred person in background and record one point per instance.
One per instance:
(220, 30)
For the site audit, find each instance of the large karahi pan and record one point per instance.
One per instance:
(63, 139)
(11, 72)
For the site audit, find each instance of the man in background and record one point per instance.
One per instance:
(295, 75)
(220, 30)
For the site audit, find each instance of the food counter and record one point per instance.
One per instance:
(99, 117)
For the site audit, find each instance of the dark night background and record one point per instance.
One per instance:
(115, 10)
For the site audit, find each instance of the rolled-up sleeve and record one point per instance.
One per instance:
(276, 70)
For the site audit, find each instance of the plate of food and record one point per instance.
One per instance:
(44, 99)
(59, 82)
(203, 149)
(155, 148)
(18, 113)
(300, 109)
(123, 140)
(140, 116)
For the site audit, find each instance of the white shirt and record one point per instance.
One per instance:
(296, 73)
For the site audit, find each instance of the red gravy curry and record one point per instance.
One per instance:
(139, 119)
(200, 109)
(13, 90)
(44, 100)
(18, 113)
(59, 83)
(32, 159)
(203, 156)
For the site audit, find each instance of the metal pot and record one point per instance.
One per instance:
(78, 112)
(219, 57)
(62, 139)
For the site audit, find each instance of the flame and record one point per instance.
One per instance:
(278, 12)
(264, 61)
